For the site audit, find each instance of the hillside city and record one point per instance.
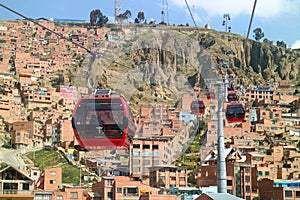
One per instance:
(174, 152)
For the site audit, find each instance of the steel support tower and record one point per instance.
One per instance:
(118, 6)
(165, 12)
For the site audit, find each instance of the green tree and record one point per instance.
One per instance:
(124, 16)
(258, 34)
(97, 18)
(140, 17)
(267, 41)
(281, 44)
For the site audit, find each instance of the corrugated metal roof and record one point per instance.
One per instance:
(222, 196)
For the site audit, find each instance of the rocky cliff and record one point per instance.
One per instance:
(158, 64)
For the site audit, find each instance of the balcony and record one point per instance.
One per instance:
(131, 191)
(11, 191)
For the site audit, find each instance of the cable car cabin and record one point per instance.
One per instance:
(232, 96)
(103, 122)
(235, 113)
(197, 107)
(211, 95)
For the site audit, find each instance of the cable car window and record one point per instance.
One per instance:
(235, 109)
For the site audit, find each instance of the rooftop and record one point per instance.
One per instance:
(261, 88)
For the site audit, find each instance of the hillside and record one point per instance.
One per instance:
(158, 64)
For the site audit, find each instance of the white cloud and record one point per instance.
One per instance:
(264, 8)
(196, 16)
(296, 45)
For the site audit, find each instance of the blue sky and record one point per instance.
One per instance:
(279, 19)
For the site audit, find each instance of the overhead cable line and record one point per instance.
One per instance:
(251, 19)
(187, 5)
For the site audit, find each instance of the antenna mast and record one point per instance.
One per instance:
(165, 12)
(118, 6)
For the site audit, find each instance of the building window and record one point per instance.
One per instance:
(146, 153)
(132, 192)
(110, 195)
(136, 146)
(162, 178)
(247, 188)
(229, 191)
(136, 153)
(119, 190)
(229, 182)
(146, 162)
(109, 183)
(247, 178)
(25, 186)
(52, 181)
(59, 197)
(155, 146)
(260, 173)
(74, 195)
(288, 193)
(297, 194)
(240, 143)
(267, 173)
(35, 173)
(155, 154)
(248, 198)
(136, 161)
(248, 143)
(162, 170)
(136, 169)
(52, 173)
(155, 162)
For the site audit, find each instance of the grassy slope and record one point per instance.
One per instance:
(44, 159)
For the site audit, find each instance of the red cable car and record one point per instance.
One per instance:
(235, 112)
(197, 107)
(211, 95)
(103, 121)
(232, 96)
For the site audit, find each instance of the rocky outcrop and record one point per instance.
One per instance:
(158, 64)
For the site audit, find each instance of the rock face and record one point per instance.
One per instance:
(160, 64)
(252, 61)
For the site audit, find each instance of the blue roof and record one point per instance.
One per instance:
(68, 20)
(261, 88)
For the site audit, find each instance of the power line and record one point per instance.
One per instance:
(187, 5)
(250, 24)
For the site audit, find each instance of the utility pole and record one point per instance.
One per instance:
(225, 82)
(79, 174)
(221, 83)
(222, 179)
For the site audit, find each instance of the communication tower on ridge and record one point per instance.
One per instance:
(165, 12)
(118, 6)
